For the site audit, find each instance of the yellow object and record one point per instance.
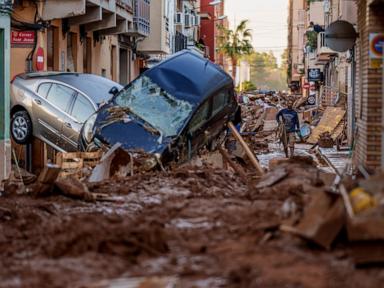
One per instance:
(361, 200)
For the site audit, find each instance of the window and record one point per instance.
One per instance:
(200, 117)
(82, 109)
(220, 101)
(43, 89)
(60, 96)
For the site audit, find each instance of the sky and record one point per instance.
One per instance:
(268, 21)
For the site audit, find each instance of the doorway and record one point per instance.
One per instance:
(87, 55)
(123, 59)
(113, 63)
(72, 52)
(52, 49)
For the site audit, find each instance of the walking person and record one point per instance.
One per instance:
(288, 120)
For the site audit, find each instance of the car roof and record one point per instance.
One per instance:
(94, 86)
(188, 76)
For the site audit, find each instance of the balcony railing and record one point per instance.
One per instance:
(141, 18)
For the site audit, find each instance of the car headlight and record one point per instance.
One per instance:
(88, 131)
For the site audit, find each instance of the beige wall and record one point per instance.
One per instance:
(101, 51)
(156, 41)
(316, 12)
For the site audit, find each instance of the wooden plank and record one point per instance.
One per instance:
(239, 170)
(72, 165)
(331, 118)
(248, 151)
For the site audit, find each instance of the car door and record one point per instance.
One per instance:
(51, 111)
(81, 109)
(197, 126)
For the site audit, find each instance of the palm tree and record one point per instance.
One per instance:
(235, 43)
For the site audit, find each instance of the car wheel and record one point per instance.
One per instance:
(21, 127)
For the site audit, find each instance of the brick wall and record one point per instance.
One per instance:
(368, 90)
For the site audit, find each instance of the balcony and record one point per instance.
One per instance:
(324, 53)
(104, 16)
(141, 19)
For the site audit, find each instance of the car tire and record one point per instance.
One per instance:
(21, 127)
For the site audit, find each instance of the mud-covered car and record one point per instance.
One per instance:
(53, 106)
(170, 111)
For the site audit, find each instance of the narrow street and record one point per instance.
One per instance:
(196, 227)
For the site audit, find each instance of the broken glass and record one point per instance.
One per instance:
(155, 106)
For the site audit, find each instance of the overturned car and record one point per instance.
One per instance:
(170, 111)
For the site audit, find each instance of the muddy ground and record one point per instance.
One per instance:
(201, 226)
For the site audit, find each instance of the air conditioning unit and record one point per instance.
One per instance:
(179, 18)
(188, 20)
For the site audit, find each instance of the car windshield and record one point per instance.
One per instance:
(155, 106)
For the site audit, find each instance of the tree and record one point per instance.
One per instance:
(235, 43)
(265, 72)
(246, 86)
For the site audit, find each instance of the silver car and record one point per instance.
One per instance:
(53, 106)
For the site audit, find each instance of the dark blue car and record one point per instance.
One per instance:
(171, 110)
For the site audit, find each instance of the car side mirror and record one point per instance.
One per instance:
(113, 91)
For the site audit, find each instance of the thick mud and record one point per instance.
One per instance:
(202, 226)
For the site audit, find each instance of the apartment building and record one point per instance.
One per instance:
(159, 42)
(353, 79)
(212, 15)
(187, 23)
(296, 43)
(89, 36)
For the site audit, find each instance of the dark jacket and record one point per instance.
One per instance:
(290, 119)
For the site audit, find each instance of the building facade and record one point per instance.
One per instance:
(80, 36)
(187, 23)
(296, 43)
(159, 43)
(369, 86)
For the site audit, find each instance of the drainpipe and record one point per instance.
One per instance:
(382, 110)
(5, 55)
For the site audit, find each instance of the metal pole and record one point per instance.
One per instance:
(5, 142)
(382, 108)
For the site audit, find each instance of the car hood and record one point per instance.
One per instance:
(114, 126)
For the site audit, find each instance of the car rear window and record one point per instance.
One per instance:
(43, 89)
(60, 96)
(82, 109)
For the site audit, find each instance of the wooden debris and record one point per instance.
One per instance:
(248, 151)
(322, 221)
(73, 163)
(46, 179)
(272, 178)
(74, 188)
(239, 170)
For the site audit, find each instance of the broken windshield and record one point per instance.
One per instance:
(155, 106)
